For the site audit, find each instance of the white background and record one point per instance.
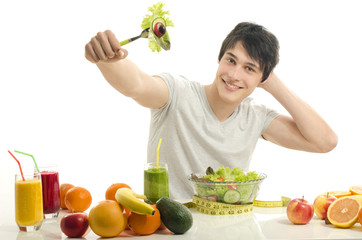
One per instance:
(56, 105)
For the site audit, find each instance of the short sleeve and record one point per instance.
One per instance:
(170, 82)
(270, 115)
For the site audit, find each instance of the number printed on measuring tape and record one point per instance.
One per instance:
(283, 203)
(217, 208)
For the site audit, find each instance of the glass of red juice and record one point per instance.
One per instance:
(51, 191)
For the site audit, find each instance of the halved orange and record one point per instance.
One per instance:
(357, 197)
(343, 212)
(339, 194)
(360, 216)
(357, 190)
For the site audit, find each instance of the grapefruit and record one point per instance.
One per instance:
(343, 212)
(339, 194)
(107, 219)
(360, 216)
(356, 190)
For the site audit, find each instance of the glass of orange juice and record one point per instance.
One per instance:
(28, 202)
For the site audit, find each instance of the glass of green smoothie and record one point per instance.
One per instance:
(155, 181)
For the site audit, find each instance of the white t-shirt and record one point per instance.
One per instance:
(194, 139)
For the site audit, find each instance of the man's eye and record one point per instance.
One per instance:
(230, 60)
(250, 69)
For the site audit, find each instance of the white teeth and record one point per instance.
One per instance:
(232, 86)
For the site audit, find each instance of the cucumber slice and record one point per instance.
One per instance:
(245, 192)
(231, 196)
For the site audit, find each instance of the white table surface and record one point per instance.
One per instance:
(262, 223)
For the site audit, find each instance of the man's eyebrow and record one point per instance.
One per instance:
(232, 54)
(249, 63)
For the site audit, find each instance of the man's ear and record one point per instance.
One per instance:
(262, 80)
(265, 79)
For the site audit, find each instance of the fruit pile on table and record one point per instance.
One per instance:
(340, 208)
(122, 209)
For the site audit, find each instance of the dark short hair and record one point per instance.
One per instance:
(261, 45)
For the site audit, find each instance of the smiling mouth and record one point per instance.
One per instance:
(231, 86)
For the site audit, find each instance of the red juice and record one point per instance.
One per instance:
(51, 192)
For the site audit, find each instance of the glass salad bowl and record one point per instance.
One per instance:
(226, 191)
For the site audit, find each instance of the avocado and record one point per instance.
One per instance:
(176, 217)
(159, 31)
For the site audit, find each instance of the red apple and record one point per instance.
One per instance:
(75, 225)
(321, 205)
(300, 211)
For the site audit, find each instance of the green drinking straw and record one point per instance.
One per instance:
(27, 154)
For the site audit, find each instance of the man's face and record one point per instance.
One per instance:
(237, 76)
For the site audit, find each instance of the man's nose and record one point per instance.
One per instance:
(237, 74)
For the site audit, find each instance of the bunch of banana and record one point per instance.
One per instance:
(130, 200)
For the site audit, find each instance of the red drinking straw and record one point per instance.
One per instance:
(21, 171)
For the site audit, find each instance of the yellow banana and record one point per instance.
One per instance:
(129, 199)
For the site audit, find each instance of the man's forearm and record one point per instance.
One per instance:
(123, 75)
(310, 124)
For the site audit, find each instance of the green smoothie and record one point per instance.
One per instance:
(155, 183)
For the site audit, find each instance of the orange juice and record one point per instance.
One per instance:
(28, 202)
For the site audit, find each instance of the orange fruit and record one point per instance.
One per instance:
(106, 219)
(78, 199)
(360, 216)
(343, 212)
(127, 212)
(111, 192)
(356, 190)
(144, 224)
(357, 197)
(339, 194)
(64, 188)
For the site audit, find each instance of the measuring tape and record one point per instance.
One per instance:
(283, 203)
(218, 208)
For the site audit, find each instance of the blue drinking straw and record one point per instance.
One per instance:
(27, 154)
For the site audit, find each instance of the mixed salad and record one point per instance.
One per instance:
(157, 22)
(214, 186)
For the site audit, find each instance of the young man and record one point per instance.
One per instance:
(217, 124)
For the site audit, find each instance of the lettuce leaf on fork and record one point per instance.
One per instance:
(156, 11)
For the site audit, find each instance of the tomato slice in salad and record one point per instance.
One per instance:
(230, 186)
(234, 187)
